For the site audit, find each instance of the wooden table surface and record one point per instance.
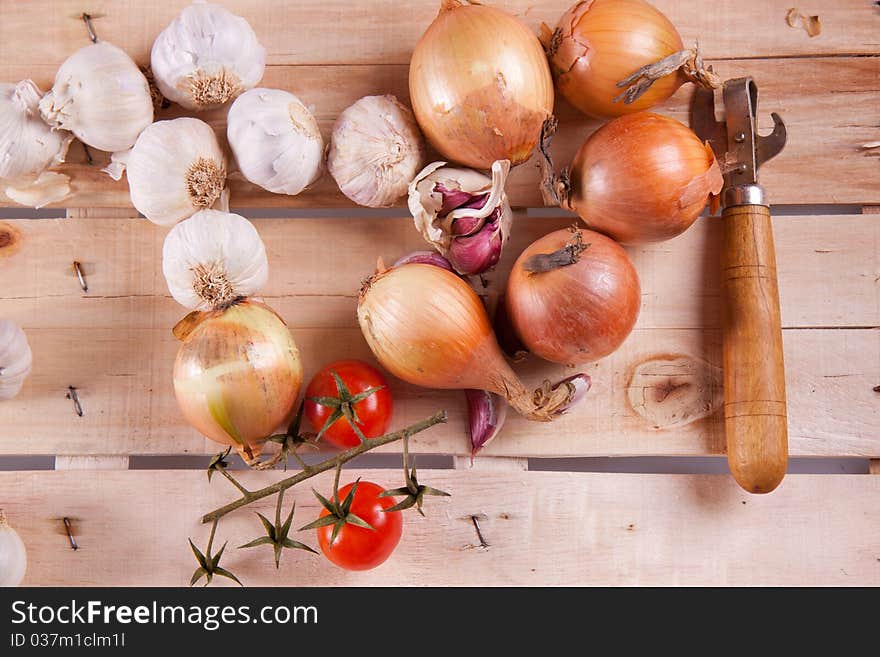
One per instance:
(656, 396)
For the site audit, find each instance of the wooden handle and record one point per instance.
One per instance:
(754, 374)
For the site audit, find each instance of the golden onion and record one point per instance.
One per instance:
(480, 85)
(237, 375)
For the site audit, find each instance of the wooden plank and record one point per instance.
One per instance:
(337, 32)
(91, 463)
(874, 466)
(827, 104)
(828, 266)
(620, 529)
(123, 379)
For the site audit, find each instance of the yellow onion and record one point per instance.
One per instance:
(480, 85)
(428, 327)
(615, 57)
(237, 375)
(573, 296)
(642, 178)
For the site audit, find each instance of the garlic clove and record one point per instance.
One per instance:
(452, 208)
(175, 169)
(375, 151)
(424, 258)
(212, 259)
(276, 140)
(27, 145)
(48, 187)
(206, 57)
(486, 415)
(13, 555)
(101, 96)
(16, 359)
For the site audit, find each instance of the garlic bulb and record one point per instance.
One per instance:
(15, 359)
(13, 555)
(101, 96)
(212, 259)
(27, 145)
(375, 151)
(463, 213)
(276, 140)
(175, 169)
(206, 57)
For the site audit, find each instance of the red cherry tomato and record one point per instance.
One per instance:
(373, 412)
(359, 548)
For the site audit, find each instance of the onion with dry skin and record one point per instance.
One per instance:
(615, 57)
(573, 296)
(237, 375)
(641, 178)
(428, 327)
(480, 85)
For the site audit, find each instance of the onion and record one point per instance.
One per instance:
(641, 178)
(428, 327)
(607, 51)
(573, 296)
(480, 85)
(237, 375)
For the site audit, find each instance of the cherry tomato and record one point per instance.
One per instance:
(373, 412)
(359, 548)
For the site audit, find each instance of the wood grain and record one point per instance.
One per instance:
(123, 380)
(620, 529)
(322, 32)
(821, 258)
(755, 416)
(828, 104)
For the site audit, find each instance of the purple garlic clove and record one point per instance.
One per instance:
(575, 388)
(453, 199)
(477, 253)
(486, 414)
(425, 258)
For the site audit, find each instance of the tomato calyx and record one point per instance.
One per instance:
(343, 406)
(414, 493)
(339, 513)
(276, 533)
(290, 442)
(209, 565)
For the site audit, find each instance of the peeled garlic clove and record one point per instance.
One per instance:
(13, 555)
(375, 151)
(175, 169)
(212, 259)
(206, 57)
(15, 359)
(101, 96)
(27, 145)
(276, 140)
(464, 214)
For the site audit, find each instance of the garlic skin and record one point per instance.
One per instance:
(206, 57)
(175, 169)
(212, 259)
(375, 151)
(16, 359)
(27, 145)
(13, 555)
(464, 214)
(276, 140)
(101, 96)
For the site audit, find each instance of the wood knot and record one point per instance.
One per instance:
(672, 390)
(9, 239)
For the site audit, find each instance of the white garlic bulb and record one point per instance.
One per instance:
(206, 57)
(13, 555)
(375, 150)
(212, 259)
(27, 145)
(276, 140)
(101, 96)
(175, 169)
(15, 359)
